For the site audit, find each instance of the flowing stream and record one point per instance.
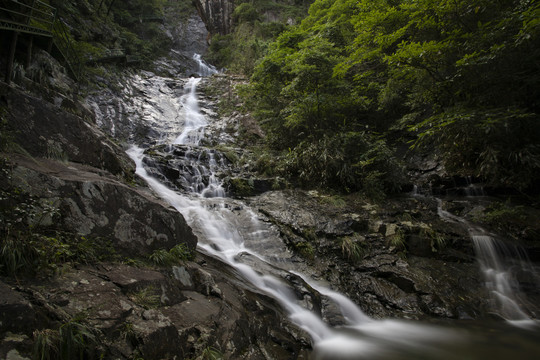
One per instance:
(229, 230)
(494, 259)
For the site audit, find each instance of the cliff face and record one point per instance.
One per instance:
(216, 14)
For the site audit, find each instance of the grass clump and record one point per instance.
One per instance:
(211, 353)
(178, 253)
(147, 297)
(352, 248)
(305, 249)
(437, 240)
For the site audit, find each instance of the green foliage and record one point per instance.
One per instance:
(347, 161)
(240, 50)
(147, 297)
(178, 253)
(333, 200)
(500, 145)
(240, 186)
(397, 240)
(437, 240)
(352, 248)
(182, 252)
(127, 331)
(505, 217)
(211, 353)
(462, 75)
(305, 249)
(245, 12)
(45, 344)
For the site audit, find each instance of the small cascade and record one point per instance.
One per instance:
(472, 188)
(497, 270)
(204, 68)
(500, 279)
(194, 121)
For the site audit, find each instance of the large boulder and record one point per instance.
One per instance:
(96, 205)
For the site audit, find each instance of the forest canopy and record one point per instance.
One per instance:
(461, 77)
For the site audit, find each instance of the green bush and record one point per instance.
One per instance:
(245, 12)
(347, 162)
(499, 145)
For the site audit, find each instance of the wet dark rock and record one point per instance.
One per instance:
(17, 315)
(45, 130)
(411, 265)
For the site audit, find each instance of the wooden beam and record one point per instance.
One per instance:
(11, 58)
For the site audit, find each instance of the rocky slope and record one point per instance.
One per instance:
(100, 294)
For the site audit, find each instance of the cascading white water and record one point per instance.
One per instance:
(228, 234)
(204, 69)
(229, 230)
(500, 280)
(498, 275)
(194, 121)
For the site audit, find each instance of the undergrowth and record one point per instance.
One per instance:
(30, 242)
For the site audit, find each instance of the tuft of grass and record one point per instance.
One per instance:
(436, 239)
(17, 255)
(305, 249)
(334, 200)
(211, 353)
(397, 240)
(127, 332)
(351, 248)
(146, 297)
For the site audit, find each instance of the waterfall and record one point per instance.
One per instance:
(204, 69)
(500, 280)
(194, 121)
(227, 233)
(498, 275)
(230, 231)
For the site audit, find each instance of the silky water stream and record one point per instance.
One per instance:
(499, 263)
(230, 231)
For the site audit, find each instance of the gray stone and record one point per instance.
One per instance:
(94, 205)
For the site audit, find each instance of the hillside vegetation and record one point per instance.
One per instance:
(460, 76)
